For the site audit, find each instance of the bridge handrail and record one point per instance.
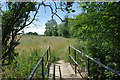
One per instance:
(79, 66)
(41, 59)
(93, 60)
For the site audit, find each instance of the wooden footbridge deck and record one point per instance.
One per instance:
(63, 70)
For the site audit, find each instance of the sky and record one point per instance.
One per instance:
(44, 14)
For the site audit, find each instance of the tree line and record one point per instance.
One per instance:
(53, 29)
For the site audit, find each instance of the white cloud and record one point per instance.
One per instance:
(38, 30)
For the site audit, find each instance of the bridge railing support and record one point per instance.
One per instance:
(42, 64)
(42, 69)
(88, 66)
(69, 50)
(88, 63)
(75, 59)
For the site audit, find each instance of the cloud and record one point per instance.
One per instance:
(38, 30)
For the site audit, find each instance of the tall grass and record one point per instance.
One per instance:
(59, 45)
(31, 49)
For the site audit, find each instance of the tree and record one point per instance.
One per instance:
(47, 33)
(15, 18)
(98, 27)
(63, 29)
(66, 26)
(55, 33)
(60, 29)
(51, 28)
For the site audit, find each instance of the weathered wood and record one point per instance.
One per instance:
(65, 68)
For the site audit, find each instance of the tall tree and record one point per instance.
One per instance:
(51, 27)
(64, 28)
(55, 33)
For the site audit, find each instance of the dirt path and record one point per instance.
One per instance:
(66, 70)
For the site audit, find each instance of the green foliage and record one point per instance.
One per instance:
(13, 20)
(63, 29)
(47, 33)
(55, 33)
(69, 7)
(24, 66)
(30, 51)
(51, 28)
(31, 33)
(99, 31)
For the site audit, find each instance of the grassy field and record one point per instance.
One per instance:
(30, 50)
(58, 45)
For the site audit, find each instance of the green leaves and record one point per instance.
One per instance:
(97, 29)
(24, 66)
(73, 10)
(70, 10)
(51, 28)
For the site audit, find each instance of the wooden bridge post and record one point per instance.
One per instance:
(75, 60)
(54, 72)
(60, 73)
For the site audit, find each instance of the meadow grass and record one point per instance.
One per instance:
(58, 45)
(30, 50)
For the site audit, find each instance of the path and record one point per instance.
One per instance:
(66, 70)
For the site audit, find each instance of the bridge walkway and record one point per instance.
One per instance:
(65, 69)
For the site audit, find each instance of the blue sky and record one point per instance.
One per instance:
(44, 15)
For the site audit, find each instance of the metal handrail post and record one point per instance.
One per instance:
(48, 62)
(69, 50)
(42, 70)
(75, 59)
(88, 67)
